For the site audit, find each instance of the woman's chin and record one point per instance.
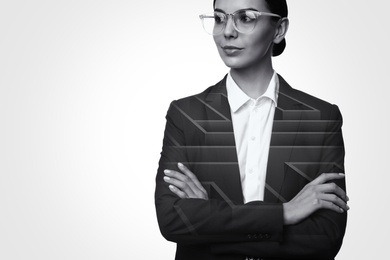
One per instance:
(233, 64)
(237, 62)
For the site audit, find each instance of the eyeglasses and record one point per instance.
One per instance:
(244, 21)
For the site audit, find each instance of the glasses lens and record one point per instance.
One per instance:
(213, 23)
(245, 21)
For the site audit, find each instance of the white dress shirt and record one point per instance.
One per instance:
(252, 125)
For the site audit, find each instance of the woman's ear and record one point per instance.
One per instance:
(281, 30)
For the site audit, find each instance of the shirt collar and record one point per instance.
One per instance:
(237, 98)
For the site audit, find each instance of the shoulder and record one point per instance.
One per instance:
(201, 106)
(198, 99)
(291, 97)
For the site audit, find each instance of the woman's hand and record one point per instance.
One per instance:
(314, 196)
(185, 185)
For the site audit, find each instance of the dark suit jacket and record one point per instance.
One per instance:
(306, 141)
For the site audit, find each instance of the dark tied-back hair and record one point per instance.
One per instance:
(278, 7)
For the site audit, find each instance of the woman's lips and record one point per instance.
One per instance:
(231, 50)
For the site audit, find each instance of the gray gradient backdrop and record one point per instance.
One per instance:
(84, 88)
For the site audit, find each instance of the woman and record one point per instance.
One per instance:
(252, 168)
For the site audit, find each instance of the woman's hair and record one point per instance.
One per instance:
(278, 7)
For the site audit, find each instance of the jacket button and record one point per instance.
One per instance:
(249, 236)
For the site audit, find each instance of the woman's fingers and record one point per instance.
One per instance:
(338, 204)
(330, 195)
(179, 181)
(192, 176)
(318, 194)
(186, 183)
(333, 188)
(324, 204)
(178, 192)
(325, 177)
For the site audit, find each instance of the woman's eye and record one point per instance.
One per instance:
(218, 19)
(245, 18)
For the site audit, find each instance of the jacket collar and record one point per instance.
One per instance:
(219, 89)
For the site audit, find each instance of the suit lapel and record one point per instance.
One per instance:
(281, 149)
(217, 104)
(217, 99)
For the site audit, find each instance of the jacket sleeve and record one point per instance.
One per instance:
(197, 221)
(317, 237)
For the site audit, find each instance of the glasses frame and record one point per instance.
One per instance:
(212, 15)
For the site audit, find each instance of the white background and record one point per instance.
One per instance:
(84, 89)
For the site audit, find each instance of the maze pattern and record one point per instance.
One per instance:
(297, 145)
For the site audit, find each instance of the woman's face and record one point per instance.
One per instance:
(239, 50)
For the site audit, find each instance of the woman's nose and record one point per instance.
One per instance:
(230, 30)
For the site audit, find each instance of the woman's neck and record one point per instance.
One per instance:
(253, 81)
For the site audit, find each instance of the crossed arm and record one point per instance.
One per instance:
(316, 195)
(299, 216)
